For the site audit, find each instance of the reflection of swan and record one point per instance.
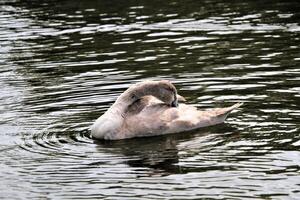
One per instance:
(150, 108)
(167, 154)
(158, 154)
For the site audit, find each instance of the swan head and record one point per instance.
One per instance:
(167, 93)
(163, 90)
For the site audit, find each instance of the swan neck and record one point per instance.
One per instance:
(122, 103)
(136, 92)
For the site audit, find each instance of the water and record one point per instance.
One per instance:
(63, 63)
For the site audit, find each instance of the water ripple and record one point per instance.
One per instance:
(65, 63)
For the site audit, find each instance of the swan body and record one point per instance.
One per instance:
(151, 108)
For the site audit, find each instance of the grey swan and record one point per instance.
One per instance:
(151, 108)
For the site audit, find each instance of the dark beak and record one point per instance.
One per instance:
(174, 103)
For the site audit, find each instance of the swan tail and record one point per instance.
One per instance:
(218, 115)
(226, 111)
(233, 107)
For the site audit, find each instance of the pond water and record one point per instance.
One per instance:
(63, 63)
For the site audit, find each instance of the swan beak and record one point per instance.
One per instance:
(181, 98)
(174, 103)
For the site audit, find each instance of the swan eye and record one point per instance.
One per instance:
(133, 96)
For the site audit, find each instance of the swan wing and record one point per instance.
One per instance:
(189, 118)
(158, 119)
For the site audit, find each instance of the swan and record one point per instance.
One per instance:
(151, 108)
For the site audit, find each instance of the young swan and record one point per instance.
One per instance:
(151, 108)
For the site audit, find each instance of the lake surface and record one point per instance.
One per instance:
(63, 63)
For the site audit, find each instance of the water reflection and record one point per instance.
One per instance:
(159, 153)
(64, 63)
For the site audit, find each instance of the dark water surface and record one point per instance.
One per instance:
(63, 63)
